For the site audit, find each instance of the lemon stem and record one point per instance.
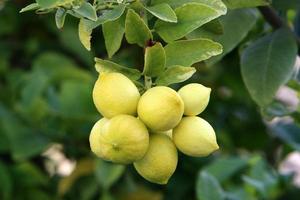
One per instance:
(148, 82)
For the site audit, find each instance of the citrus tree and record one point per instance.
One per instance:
(164, 61)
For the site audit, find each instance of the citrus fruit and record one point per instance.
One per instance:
(195, 137)
(195, 97)
(115, 94)
(160, 161)
(160, 108)
(123, 139)
(95, 136)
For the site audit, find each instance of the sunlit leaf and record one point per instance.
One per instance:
(188, 52)
(155, 60)
(136, 31)
(175, 74)
(84, 34)
(105, 66)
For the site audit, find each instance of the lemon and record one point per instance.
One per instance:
(195, 97)
(168, 133)
(195, 137)
(115, 94)
(123, 139)
(160, 161)
(95, 136)
(160, 108)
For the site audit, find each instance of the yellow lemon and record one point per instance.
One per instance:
(195, 97)
(160, 161)
(95, 136)
(115, 94)
(123, 139)
(160, 108)
(195, 137)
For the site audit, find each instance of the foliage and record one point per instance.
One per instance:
(46, 79)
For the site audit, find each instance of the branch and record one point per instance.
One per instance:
(275, 21)
(271, 17)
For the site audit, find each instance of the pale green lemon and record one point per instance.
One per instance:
(195, 97)
(115, 94)
(160, 161)
(168, 133)
(95, 136)
(160, 108)
(123, 139)
(195, 137)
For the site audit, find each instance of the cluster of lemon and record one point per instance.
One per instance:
(145, 130)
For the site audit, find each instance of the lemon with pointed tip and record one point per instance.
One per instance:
(195, 97)
(160, 161)
(123, 139)
(95, 136)
(115, 94)
(160, 108)
(195, 137)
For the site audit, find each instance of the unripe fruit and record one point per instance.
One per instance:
(168, 133)
(123, 139)
(160, 108)
(195, 97)
(95, 136)
(195, 137)
(160, 161)
(115, 94)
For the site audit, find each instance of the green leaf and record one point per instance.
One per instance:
(24, 142)
(275, 109)
(225, 167)
(86, 10)
(58, 68)
(190, 17)
(217, 4)
(267, 64)
(236, 24)
(113, 32)
(155, 60)
(208, 187)
(107, 173)
(48, 3)
(234, 4)
(60, 17)
(6, 182)
(214, 27)
(4, 143)
(105, 66)
(107, 196)
(287, 132)
(163, 11)
(81, 100)
(84, 34)
(188, 52)
(175, 74)
(30, 7)
(140, 86)
(263, 179)
(136, 31)
(107, 15)
(32, 176)
(69, 40)
(286, 4)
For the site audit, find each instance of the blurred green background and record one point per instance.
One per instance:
(46, 113)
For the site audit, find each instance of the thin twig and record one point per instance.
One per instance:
(271, 17)
(275, 21)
